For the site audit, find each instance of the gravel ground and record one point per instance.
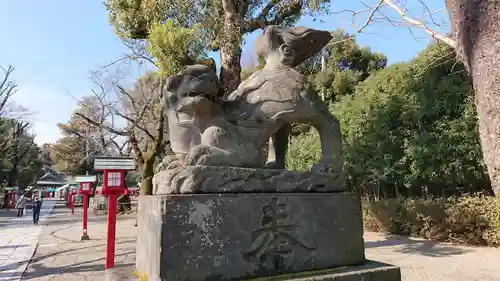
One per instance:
(424, 260)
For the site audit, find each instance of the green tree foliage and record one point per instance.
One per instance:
(175, 47)
(218, 24)
(68, 155)
(30, 167)
(410, 129)
(347, 65)
(20, 155)
(135, 18)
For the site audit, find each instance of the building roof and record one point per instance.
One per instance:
(53, 177)
(50, 183)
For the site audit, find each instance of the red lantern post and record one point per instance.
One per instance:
(72, 203)
(114, 185)
(7, 203)
(86, 183)
(13, 199)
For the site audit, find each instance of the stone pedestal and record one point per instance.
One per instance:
(202, 237)
(369, 271)
(210, 179)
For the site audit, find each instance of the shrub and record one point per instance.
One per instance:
(304, 152)
(409, 129)
(412, 128)
(466, 219)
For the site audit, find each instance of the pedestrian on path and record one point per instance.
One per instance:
(37, 206)
(20, 205)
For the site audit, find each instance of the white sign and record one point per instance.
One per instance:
(114, 163)
(79, 179)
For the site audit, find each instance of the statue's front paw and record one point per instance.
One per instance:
(191, 160)
(168, 162)
(203, 160)
(196, 155)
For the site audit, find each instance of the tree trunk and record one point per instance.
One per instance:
(124, 204)
(147, 176)
(476, 26)
(230, 48)
(13, 174)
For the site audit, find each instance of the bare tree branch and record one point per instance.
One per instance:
(404, 17)
(104, 126)
(370, 16)
(7, 87)
(419, 24)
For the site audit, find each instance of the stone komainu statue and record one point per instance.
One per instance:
(207, 130)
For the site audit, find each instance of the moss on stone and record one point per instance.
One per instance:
(140, 276)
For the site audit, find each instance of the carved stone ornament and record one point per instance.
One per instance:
(207, 130)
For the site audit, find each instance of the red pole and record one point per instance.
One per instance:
(85, 236)
(13, 197)
(46, 195)
(85, 213)
(110, 247)
(71, 201)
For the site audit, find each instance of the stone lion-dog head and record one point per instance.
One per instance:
(192, 89)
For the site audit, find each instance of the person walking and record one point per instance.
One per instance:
(37, 206)
(20, 205)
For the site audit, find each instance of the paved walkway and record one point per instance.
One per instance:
(62, 256)
(18, 241)
(6, 216)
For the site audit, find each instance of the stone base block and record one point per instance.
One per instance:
(370, 271)
(209, 179)
(208, 237)
(120, 274)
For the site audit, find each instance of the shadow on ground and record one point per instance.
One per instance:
(37, 259)
(409, 245)
(84, 267)
(93, 267)
(13, 246)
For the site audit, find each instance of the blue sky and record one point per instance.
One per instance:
(55, 44)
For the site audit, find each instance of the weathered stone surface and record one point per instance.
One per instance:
(240, 236)
(205, 129)
(370, 271)
(119, 274)
(210, 179)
